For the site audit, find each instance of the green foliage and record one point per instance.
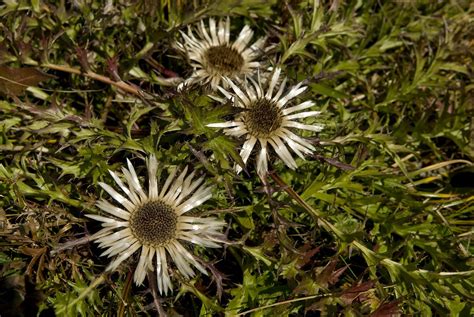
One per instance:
(377, 222)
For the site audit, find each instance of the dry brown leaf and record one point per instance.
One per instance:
(334, 278)
(325, 275)
(308, 254)
(390, 309)
(14, 81)
(350, 294)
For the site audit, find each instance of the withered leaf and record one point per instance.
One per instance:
(390, 309)
(334, 278)
(350, 294)
(325, 275)
(14, 81)
(306, 257)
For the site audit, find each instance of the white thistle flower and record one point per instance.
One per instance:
(266, 118)
(214, 56)
(156, 222)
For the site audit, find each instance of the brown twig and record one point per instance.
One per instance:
(166, 72)
(154, 291)
(119, 84)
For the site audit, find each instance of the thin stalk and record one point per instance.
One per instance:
(319, 216)
(119, 84)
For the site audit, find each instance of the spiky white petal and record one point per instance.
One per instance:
(207, 70)
(181, 194)
(252, 95)
(113, 210)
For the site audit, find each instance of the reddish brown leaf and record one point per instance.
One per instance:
(387, 310)
(325, 275)
(14, 81)
(350, 294)
(308, 254)
(334, 278)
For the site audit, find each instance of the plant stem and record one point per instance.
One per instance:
(154, 291)
(119, 84)
(319, 217)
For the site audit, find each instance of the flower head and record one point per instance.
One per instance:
(266, 118)
(214, 56)
(155, 222)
